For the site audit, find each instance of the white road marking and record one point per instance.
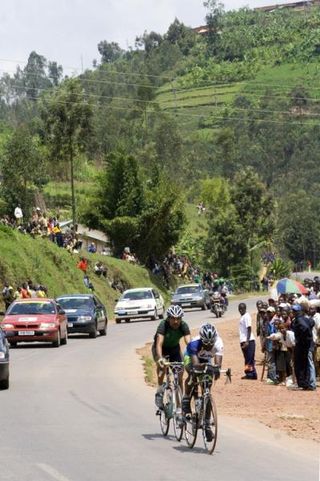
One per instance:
(52, 472)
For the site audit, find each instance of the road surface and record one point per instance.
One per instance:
(83, 413)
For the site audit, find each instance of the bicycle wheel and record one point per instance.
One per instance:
(210, 425)
(191, 425)
(166, 412)
(177, 414)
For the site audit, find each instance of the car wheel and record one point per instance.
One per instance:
(155, 317)
(103, 332)
(57, 342)
(4, 384)
(204, 307)
(161, 316)
(93, 333)
(127, 320)
(13, 343)
(118, 321)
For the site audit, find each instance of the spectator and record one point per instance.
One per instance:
(18, 214)
(100, 269)
(92, 248)
(7, 294)
(247, 342)
(25, 293)
(83, 264)
(88, 283)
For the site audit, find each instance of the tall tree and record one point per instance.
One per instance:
(22, 168)
(67, 115)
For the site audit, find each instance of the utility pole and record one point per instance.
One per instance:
(73, 197)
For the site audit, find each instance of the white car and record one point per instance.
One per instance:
(143, 302)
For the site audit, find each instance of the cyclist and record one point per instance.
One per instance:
(198, 355)
(167, 343)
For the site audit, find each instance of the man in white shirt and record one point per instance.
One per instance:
(247, 342)
(18, 214)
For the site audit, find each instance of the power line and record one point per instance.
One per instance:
(242, 119)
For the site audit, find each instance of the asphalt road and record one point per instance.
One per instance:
(83, 413)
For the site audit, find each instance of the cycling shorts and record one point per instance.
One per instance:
(174, 353)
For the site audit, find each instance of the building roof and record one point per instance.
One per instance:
(85, 231)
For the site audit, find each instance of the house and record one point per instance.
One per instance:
(87, 236)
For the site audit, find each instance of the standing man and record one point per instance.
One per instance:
(18, 214)
(247, 342)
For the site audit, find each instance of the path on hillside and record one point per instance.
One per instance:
(83, 413)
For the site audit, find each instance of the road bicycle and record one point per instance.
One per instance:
(172, 400)
(203, 412)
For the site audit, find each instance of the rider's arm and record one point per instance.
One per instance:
(195, 361)
(218, 360)
(187, 339)
(159, 344)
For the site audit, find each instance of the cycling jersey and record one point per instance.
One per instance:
(172, 336)
(195, 348)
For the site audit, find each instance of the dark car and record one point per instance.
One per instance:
(85, 313)
(4, 361)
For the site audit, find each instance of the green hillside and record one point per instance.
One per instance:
(23, 258)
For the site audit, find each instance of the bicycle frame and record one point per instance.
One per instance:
(172, 400)
(204, 415)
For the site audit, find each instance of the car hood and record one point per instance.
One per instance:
(127, 303)
(78, 312)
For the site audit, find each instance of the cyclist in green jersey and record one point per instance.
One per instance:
(167, 344)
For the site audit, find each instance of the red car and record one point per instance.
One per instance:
(35, 319)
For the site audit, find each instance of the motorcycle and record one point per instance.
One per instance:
(218, 304)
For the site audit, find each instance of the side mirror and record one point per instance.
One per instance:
(2, 313)
(116, 300)
(62, 312)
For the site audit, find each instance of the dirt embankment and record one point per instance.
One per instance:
(295, 412)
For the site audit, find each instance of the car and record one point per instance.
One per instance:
(86, 314)
(143, 302)
(4, 361)
(35, 319)
(192, 295)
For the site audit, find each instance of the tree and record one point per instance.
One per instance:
(22, 168)
(109, 51)
(213, 18)
(67, 118)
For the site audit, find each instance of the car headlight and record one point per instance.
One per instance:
(198, 298)
(8, 326)
(47, 325)
(84, 318)
(2, 355)
(150, 306)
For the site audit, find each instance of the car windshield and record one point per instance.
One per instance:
(36, 308)
(188, 290)
(75, 302)
(136, 295)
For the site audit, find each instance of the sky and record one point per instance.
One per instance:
(68, 31)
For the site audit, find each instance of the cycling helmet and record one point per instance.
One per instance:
(175, 311)
(208, 334)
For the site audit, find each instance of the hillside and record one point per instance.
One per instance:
(152, 122)
(23, 258)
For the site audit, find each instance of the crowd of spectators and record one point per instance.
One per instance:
(289, 332)
(24, 290)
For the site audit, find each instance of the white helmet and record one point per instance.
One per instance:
(208, 334)
(175, 311)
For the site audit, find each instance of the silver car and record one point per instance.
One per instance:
(191, 295)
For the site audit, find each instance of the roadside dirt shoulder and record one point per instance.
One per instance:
(295, 412)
